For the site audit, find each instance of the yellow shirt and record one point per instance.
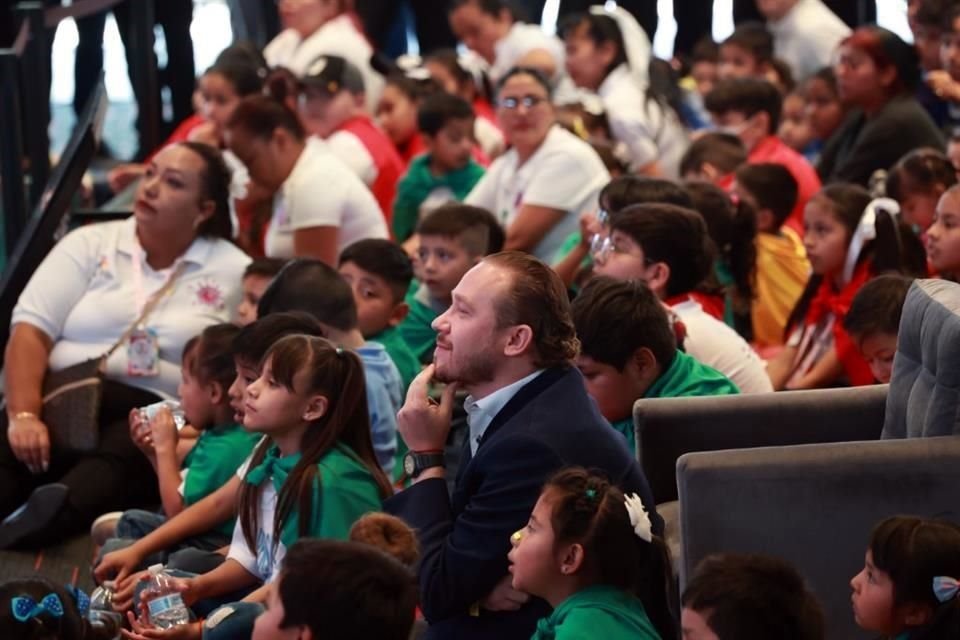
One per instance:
(782, 273)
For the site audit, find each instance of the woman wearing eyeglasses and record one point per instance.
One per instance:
(548, 179)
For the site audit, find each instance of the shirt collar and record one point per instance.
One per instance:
(198, 252)
(480, 413)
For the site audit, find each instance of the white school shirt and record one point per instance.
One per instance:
(338, 37)
(565, 173)
(348, 148)
(807, 37)
(84, 296)
(717, 345)
(264, 561)
(322, 191)
(521, 40)
(650, 131)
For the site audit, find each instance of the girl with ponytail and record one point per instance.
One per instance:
(588, 550)
(313, 474)
(849, 239)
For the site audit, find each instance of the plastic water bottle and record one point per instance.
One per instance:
(148, 412)
(101, 613)
(164, 602)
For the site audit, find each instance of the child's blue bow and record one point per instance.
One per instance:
(945, 588)
(81, 598)
(25, 607)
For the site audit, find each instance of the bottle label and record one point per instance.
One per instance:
(158, 606)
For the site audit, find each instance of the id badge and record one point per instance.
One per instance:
(143, 353)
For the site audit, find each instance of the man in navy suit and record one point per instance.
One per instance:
(508, 340)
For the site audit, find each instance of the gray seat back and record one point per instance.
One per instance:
(813, 505)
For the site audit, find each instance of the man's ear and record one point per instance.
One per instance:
(519, 340)
(400, 311)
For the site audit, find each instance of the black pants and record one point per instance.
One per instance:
(430, 20)
(115, 477)
(179, 76)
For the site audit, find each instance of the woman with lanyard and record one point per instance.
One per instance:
(541, 187)
(136, 289)
(609, 53)
(320, 206)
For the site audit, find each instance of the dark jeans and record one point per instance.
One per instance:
(115, 477)
(174, 16)
(138, 523)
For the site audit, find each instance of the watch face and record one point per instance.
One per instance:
(409, 466)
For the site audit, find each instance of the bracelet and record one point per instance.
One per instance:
(24, 415)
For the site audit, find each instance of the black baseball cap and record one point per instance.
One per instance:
(333, 74)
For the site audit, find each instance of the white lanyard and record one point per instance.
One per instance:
(139, 290)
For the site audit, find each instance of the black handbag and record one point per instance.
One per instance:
(72, 396)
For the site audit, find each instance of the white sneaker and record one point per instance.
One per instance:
(105, 527)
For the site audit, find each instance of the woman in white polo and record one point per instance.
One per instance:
(84, 296)
(549, 178)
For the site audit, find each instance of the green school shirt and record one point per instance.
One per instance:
(213, 461)
(414, 187)
(347, 490)
(415, 328)
(407, 364)
(597, 612)
(686, 376)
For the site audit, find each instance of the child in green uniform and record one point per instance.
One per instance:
(188, 469)
(453, 238)
(314, 474)
(628, 351)
(380, 272)
(589, 551)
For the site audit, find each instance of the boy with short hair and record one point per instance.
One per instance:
(447, 172)
(628, 351)
(316, 288)
(737, 596)
(713, 157)
(453, 239)
(782, 266)
(746, 53)
(873, 322)
(751, 109)
(256, 278)
(668, 248)
(379, 272)
(338, 591)
(333, 107)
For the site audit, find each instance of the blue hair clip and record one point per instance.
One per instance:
(945, 588)
(591, 493)
(81, 598)
(24, 607)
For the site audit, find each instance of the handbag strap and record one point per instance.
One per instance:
(147, 309)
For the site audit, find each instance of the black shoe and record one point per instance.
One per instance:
(36, 514)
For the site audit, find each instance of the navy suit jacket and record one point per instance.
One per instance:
(551, 423)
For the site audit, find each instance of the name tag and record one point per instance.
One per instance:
(143, 353)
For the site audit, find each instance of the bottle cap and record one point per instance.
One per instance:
(154, 569)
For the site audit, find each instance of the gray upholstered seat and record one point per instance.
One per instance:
(812, 505)
(924, 395)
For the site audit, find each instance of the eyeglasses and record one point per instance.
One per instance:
(528, 102)
(602, 247)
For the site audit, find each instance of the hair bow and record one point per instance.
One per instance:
(866, 231)
(25, 607)
(639, 519)
(81, 598)
(945, 588)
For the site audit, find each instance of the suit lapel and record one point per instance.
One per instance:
(523, 397)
